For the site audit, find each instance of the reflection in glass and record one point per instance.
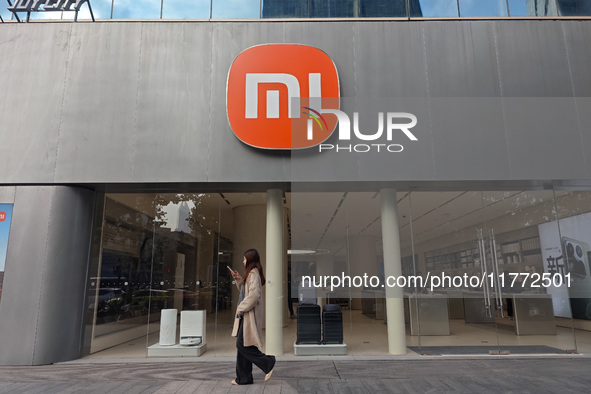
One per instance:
(439, 8)
(160, 251)
(100, 8)
(384, 8)
(340, 8)
(512, 237)
(5, 14)
(238, 9)
(334, 9)
(137, 9)
(574, 211)
(541, 7)
(574, 7)
(122, 293)
(183, 9)
(518, 8)
(471, 8)
(286, 9)
(340, 234)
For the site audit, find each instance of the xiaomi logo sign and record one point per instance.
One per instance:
(275, 95)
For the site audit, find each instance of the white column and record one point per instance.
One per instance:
(249, 232)
(392, 267)
(324, 266)
(274, 274)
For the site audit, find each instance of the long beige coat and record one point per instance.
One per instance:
(252, 309)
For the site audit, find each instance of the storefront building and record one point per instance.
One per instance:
(141, 157)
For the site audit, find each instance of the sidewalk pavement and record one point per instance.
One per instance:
(424, 374)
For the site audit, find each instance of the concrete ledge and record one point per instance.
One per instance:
(176, 350)
(320, 350)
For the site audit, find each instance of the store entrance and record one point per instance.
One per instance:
(494, 272)
(497, 279)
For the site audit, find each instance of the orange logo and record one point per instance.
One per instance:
(276, 94)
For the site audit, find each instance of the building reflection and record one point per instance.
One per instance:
(340, 9)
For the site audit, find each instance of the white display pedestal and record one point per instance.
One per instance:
(176, 351)
(192, 330)
(338, 349)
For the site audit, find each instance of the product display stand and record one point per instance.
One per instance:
(310, 328)
(192, 335)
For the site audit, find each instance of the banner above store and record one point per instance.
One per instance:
(29, 6)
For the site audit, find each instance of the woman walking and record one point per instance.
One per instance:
(248, 324)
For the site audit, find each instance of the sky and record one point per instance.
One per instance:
(222, 9)
(4, 231)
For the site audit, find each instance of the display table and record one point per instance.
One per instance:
(428, 314)
(456, 304)
(533, 314)
(374, 303)
(475, 309)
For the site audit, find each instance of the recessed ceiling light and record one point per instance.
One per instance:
(300, 251)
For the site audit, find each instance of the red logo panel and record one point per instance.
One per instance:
(274, 93)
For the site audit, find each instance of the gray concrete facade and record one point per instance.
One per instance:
(145, 102)
(45, 277)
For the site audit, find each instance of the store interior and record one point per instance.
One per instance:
(171, 250)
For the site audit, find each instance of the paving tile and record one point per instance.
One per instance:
(207, 386)
(482, 375)
(192, 386)
(49, 387)
(287, 389)
(18, 388)
(339, 386)
(356, 386)
(82, 387)
(171, 387)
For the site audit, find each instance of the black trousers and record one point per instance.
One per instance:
(248, 355)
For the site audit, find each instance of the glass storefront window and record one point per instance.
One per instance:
(121, 290)
(573, 253)
(167, 251)
(512, 239)
(170, 251)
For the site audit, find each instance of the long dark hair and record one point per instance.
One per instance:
(253, 260)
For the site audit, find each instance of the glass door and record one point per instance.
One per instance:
(526, 275)
(450, 312)
(494, 257)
